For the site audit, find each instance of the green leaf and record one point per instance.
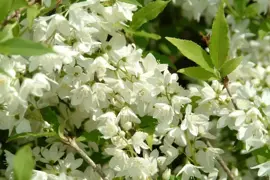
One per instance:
(19, 46)
(262, 154)
(23, 164)
(194, 52)
(230, 66)
(9, 31)
(252, 10)
(149, 141)
(5, 6)
(32, 13)
(51, 117)
(219, 42)
(30, 134)
(93, 136)
(143, 34)
(197, 73)
(18, 4)
(148, 124)
(264, 29)
(131, 2)
(147, 13)
(240, 6)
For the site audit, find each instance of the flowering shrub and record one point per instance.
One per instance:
(82, 98)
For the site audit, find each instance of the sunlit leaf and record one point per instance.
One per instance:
(193, 51)
(219, 42)
(147, 13)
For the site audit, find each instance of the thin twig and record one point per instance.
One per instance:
(222, 163)
(72, 142)
(17, 13)
(225, 84)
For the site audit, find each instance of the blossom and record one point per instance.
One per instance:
(264, 169)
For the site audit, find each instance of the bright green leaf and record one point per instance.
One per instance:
(51, 117)
(32, 13)
(230, 66)
(9, 31)
(193, 51)
(19, 46)
(149, 141)
(240, 6)
(31, 134)
(219, 42)
(131, 2)
(5, 6)
(197, 73)
(18, 4)
(147, 13)
(252, 10)
(23, 164)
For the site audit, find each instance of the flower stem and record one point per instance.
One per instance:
(225, 84)
(222, 163)
(72, 142)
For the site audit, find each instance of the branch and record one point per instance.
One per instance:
(72, 142)
(17, 13)
(222, 163)
(225, 85)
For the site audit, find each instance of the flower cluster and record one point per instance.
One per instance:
(127, 111)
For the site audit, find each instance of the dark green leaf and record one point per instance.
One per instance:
(219, 42)
(32, 13)
(23, 164)
(31, 134)
(193, 51)
(131, 2)
(197, 73)
(264, 29)
(19, 46)
(148, 124)
(147, 13)
(51, 117)
(93, 136)
(262, 154)
(163, 59)
(142, 34)
(230, 66)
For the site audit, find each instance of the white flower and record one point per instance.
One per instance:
(108, 125)
(188, 171)
(163, 112)
(264, 169)
(192, 122)
(127, 116)
(51, 155)
(207, 158)
(178, 102)
(70, 165)
(178, 135)
(137, 141)
(59, 24)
